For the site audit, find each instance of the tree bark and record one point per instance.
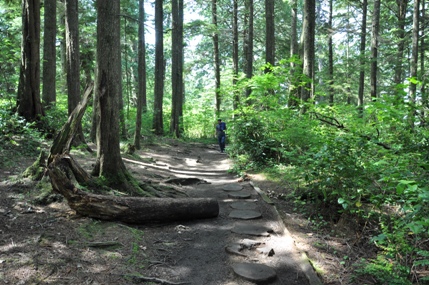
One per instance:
(177, 68)
(236, 99)
(216, 58)
(73, 63)
(49, 53)
(422, 66)
(294, 53)
(133, 210)
(159, 69)
(270, 40)
(362, 57)
(29, 104)
(308, 55)
(401, 15)
(331, 54)
(109, 164)
(414, 62)
(63, 141)
(141, 92)
(374, 48)
(249, 44)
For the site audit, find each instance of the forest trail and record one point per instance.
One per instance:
(247, 241)
(52, 245)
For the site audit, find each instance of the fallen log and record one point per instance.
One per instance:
(132, 210)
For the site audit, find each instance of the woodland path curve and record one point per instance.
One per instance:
(210, 251)
(50, 244)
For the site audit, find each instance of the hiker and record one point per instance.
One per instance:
(220, 133)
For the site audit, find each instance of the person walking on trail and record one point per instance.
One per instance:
(220, 133)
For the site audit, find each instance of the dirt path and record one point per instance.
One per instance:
(52, 245)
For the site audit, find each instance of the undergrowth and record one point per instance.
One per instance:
(373, 170)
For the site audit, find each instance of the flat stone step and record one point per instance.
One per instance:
(243, 205)
(232, 187)
(245, 214)
(251, 229)
(255, 272)
(240, 195)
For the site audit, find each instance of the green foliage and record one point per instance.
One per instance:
(384, 270)
(371, 168)
(18, 137)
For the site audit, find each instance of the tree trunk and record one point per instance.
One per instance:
(362, 57)
(29, 104)
(159, 69)
(181, 64)
(422, 66)
(414, 62)
(331, 55)
(294, 52)
(141, 92)
(177, 67)
(49, 53)
(63, 141)
(133, 210)
(109, 164)
(73, 63)
(374, 47)
(249, 44)
(236, 99)
(308, 52)
(215, 37)
(401, 14)
(270, 46)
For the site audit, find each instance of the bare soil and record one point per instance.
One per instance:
(51, 244)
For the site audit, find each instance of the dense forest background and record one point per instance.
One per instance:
(328, 96)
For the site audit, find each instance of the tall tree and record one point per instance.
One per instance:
(362, 56)
(73, 62)
(236, 99)
(109, 164)
(141, 89)
(294, 53)
(29, 104)
(331, 54)
(248, 43)
(374, 47)
(270, 39)
(401, 16)
(308, 50)
(215, 38)
(49, 53)
(414, 60)
(422, 63)
(177, 67)
(159, 69)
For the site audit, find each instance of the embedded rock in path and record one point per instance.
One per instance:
(251, 229)
(239, 195)
(235, 248)
(245, 214)
(258, 273)
(232, 187)
(243, 205)
(267, 251)
(250, 243)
